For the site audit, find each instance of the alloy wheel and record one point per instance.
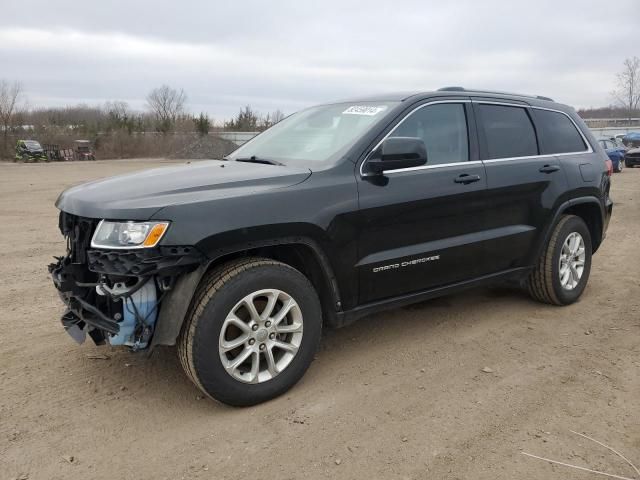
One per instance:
(572, 258)
(260, 336)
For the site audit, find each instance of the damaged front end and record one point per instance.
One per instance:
(114, 295)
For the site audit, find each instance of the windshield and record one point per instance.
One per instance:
(316, 135)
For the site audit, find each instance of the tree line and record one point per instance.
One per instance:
(165, 113)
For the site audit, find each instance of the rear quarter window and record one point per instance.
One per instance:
(558, 134)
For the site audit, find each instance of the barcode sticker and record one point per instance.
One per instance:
(364, 110)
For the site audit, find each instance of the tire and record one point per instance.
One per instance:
(222, 293)
(620, 166)
(544, 283)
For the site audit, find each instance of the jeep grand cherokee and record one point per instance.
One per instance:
(336, 212)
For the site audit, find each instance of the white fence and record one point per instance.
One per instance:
(608, 132)
(238, 138)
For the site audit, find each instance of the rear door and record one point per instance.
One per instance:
(523, 185)
(560, 136)
(422, 227)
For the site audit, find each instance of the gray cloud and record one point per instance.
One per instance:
(290, 54)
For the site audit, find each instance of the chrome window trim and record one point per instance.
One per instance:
(475, 162)
(428, 167)
(423, 167)
(529, 157)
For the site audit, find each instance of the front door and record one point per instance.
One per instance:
(422, 227)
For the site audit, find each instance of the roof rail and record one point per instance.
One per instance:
(452, 89)
(462, 89)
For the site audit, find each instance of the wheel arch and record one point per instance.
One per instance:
(302, 253)
(589, 209)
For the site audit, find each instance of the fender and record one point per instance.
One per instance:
(559, 211)
(178, 300)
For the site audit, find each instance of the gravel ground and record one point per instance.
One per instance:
(453, 388)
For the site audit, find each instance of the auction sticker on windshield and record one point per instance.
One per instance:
(364, 110)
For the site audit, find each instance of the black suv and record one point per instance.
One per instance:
(336, 212)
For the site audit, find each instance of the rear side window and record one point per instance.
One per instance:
(508, 132)
(443, 128)
(558, 134)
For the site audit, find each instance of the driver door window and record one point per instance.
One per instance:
(443, 128)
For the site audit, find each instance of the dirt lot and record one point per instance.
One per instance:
(397, 395)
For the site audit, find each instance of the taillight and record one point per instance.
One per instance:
(609, 167)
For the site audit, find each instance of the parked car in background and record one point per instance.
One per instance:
(615, 153)
(632, 155)
(83, 150)
(29, 151)
(618, 138)
(631, 140)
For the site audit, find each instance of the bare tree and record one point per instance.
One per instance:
(119, 117)
(9, 97)
(247, 120)
(166, 104)
(277, 116)
(117, 109)
(271, 119)
(627, 92)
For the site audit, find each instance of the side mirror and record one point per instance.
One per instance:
(398, 152)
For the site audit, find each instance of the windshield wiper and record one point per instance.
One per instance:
(254, 159)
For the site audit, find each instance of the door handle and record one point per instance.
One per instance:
(549, 169)
(465, 178)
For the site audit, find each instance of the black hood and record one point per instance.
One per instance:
(137, 196)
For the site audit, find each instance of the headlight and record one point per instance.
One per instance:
(128, 234)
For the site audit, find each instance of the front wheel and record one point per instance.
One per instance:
(563, 269)
(252, 331)
(620, 166)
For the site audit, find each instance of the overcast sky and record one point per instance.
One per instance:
(290, 54)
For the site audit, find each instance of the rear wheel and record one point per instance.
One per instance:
(620, 166)
(562, 271)
(252, 331)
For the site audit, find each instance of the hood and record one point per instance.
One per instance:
(633, 151)
(137, 196)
